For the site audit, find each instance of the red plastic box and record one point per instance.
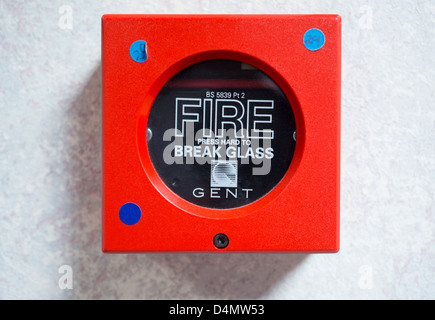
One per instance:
(301, 214)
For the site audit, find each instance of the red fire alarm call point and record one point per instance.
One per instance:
(221, 133)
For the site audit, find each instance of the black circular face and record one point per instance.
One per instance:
(221, 134)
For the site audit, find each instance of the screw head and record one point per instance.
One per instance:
(221, 241)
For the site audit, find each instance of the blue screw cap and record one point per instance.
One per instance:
(130, 214)
(138, 51)
(314, 39)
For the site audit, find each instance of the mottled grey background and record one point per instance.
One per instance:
(50, 167)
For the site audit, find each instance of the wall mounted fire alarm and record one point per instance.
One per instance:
(221, 133)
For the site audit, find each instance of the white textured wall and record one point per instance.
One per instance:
(50, 170)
